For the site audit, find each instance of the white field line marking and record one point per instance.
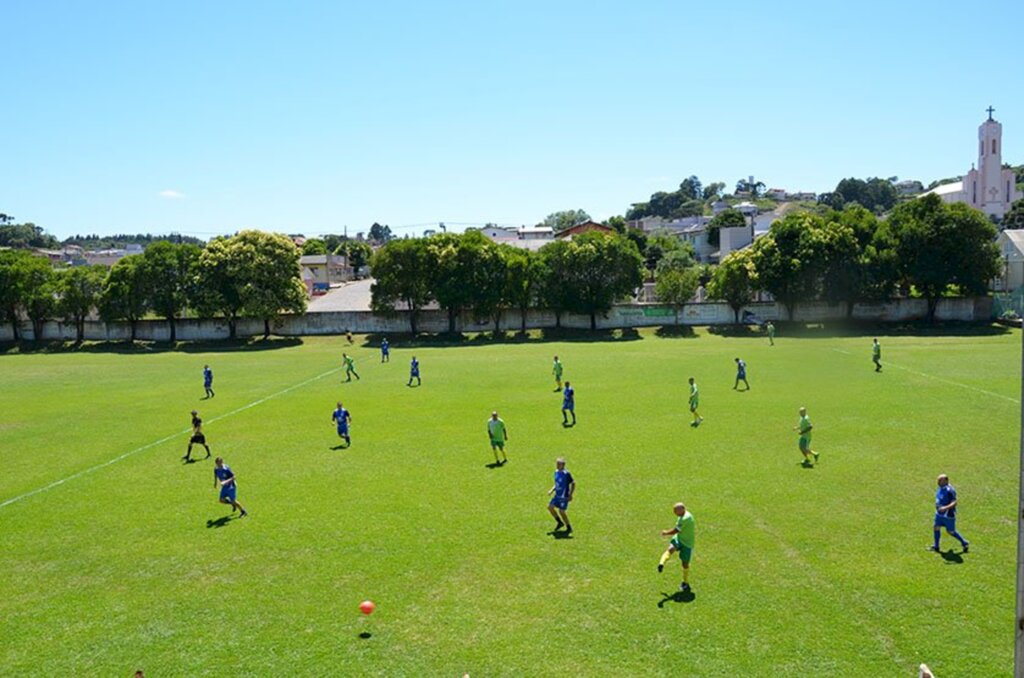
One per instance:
(944, 381)
(163, 440)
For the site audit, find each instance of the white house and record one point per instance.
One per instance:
(776, 193)
(1011, 251)
(495, 232)
(988, 187)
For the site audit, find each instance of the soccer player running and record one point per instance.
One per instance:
(498, 434)
(803, 427)
(350, 366)
(557, 371)
(223, 474)
(945, 513)
(741, 375)
(682, 542)
(208, 381)
(568, 405)
(694, 403)
(342, 418)
(770, 326)
(876, 355)
(414, 372)
(198, 438)
(562, 490)
(385, 351)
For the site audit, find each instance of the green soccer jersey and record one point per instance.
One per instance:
(694, 397)
(876, 351)
(804, 427)
(496, 427)
(350, 364)
(771, 330)
(685, 525)
(557, 370)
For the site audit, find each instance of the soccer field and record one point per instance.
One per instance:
(115, 555)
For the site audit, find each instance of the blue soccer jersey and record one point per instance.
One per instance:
(568, 398)
(223, 473)
(414, 368)
(384, 347)
(563, 479)
(341, 416)
(207, 376)
(945, 495)
(741, 369)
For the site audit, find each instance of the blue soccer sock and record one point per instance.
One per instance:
(937, 535)
(956, 535)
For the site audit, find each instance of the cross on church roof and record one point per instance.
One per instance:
(990, 111)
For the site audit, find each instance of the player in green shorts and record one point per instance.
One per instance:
(498, 435)
(694, 403)
(771, 333)
(350, 366)
(557, 371)
(682, 542)
(804, 427)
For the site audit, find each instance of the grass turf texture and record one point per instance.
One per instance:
(797, 571)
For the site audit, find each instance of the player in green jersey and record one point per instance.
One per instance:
(498, 435)
(876, 355)
(694, 403)
(770, 326)
(682, 543)
(350, 366)
(804, 427)
(557, 371)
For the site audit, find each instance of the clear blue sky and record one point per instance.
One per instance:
(207, 117)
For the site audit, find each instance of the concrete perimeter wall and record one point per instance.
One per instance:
(621, 316)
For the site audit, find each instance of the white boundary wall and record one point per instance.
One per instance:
(621, 316)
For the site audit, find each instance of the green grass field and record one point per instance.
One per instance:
(797, 571)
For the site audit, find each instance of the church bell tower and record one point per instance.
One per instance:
(990, 163)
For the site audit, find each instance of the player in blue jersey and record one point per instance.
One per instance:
(342, 418)
(568, 405)
(208, 381)
(385, 351)
(563, 489)
(741, 375)
(945, 513)
(223, 474)
(414, 372)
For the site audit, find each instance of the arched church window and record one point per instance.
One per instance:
(981, 148)
(993, 147)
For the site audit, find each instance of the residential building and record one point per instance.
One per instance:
(326, 270)
(776, 194)
(585, 227)
(1011, 251)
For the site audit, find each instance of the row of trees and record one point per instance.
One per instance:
(251, 274)
(469, 272)
(924, 248)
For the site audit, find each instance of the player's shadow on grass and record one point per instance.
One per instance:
(807, 465)
(365, 635)
(952, 557)
(493, 465)
(219, 522)
(677, 597)
(342, 446)
(560, 534)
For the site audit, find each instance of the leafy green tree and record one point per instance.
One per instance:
(555, 288)
(730, 218)
(940, 245)
(24, 236)
(754, 188)
(618, 223)
(462, 264)
(559, 221)
(876, 194)
(691, 189)
(40, 295)
(523, 279)
(271, 278)
(126, 294)
(602, 268)
(660, 245)
(358, 253)
(12, 288)
(79, 288)
(1014, 218)
(789, 259)
(314, 246)
(379, 233)
(169, 268)
(733, 281)
(489, 280)
(401, 273)
(713, 191)
(677, 286)
(677, 259)
(219, 282)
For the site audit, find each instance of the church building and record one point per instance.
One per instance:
(987, 187)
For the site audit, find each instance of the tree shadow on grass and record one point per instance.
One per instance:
(677, 597)
(151, 347)
(870, 328)
(447, 339)
(675, 332)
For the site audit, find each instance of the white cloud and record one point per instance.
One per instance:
(171, 194)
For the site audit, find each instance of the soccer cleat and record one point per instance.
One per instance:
(661, 568)
(934, 549)
(558, 525)
(966, 547)
(684, 587)
(244, 514)
(815, 456)
(568, 529)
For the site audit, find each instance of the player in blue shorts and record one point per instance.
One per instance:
(562, 490)
(342, 418)
(741, 375)
(208, 381)
(223, 474)
(385, 351)
(414, 372)
(945, 513)
(568, 405)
